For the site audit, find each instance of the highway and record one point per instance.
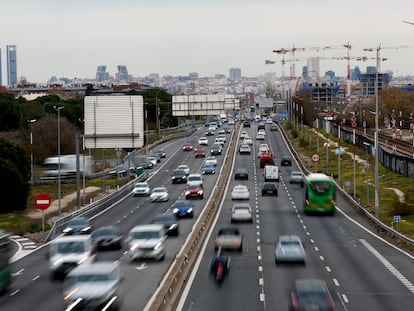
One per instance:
(362, 271)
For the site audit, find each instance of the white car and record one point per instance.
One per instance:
(261, 131)
(244, 149)
(195, 179)
(185, 168)
(147, 241)
(269, 121)
(240, 192)
(203, 141)
(211, 160)
(241, 212)
(248, 141)
(159, 194)
(260, 136)
(244, 134)
(141, 188)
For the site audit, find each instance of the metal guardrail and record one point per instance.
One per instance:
(380, 225)
(94, 207)
(166, 297)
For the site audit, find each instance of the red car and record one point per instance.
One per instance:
(200, 153)
(194, 192)
(188, 147)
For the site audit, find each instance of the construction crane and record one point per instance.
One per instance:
(293, 51)
(378, 50)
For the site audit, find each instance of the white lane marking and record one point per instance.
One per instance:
(328, 269)
(345, 298)
(336, 282)
(262, 297)
(389, 266)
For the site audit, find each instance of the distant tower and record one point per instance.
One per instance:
(235, 74)
(1, 70)
(101, 74)
(11, 64)
(122, 74)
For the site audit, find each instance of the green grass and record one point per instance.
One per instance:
(305, 142)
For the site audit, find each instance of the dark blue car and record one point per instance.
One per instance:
(208, 169)
(183, 209)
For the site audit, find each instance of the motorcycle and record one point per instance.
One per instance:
(219, 266)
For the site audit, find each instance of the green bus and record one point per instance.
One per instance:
(320, 194)
(5, 266)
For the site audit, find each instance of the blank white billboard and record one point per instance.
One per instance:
(202, 105)
(114, 121)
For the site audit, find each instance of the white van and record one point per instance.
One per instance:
(271, 173)
(68, 252)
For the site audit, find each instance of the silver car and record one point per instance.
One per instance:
(296, 177)
(94, 286)
(240, 192)
(141, 188)
(289, 248)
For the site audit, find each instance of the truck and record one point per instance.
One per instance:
(67, 166)
(271, 173)
(266, 158)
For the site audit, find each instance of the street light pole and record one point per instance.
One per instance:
(59, 179)
(31, 148)
(366, 168)
(376, 136)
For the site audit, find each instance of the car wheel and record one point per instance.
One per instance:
(241, 247)
(202, 197)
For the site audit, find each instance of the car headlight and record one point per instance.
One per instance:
(82, 259)
(189, 210)
(175, 210)
(158, 245)
(187, 192)
(133, 247)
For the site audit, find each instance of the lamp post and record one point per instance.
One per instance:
(59, 181)
(31, 148)
(366, 168)
(158, 114)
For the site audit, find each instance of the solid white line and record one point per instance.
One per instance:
(400, 277)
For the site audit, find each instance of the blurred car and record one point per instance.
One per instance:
(296, 177)
(244, 149)
(286, 161)
(195, 179)
(261, 131)
(248, 141)
(187, 147)
(289, 248)
(269, 188)
(78, 225)
(107, 237)
(203, 141)
(227, 130)
(269, 121)
(211, 160)
(209, 132)
(95, 286)
(216, 149)
(240, 192)
(185, 168)
(241, 212)
(159, 194)
(208, 169)
(200, 153)
(178, 177)
(194, 191)
(273, 127)
(229, 238)
(241, 173)
(141, 188)
(152, 159)
(147, 241)
(260, 136)
(222, 136)
(156, 156)
(310, 294)
(169, 221)
(246, 123)
(161, 153)
(183, 209)
(244, 134)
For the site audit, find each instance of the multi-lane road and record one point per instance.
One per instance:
(362, 271)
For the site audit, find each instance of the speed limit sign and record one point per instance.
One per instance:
(315, 157)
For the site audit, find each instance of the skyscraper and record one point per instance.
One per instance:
(101, 74)
(122, 74)
(235, 74)
(11, 65)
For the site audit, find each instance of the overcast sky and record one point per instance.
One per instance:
(174, 37)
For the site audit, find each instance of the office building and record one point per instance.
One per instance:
(122, 74)
(235, 74)
(101, 74)
(11, 64)
(313, 68)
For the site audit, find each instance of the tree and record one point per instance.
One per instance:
(9, 113)
(14, 176)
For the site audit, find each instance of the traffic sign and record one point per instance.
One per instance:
(397, 218)
(353, 118)
(42, 201)
(354, 124)
(315, 157)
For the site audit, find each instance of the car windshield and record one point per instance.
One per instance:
(141, 186)
(106, 231)
(158, 190)
(70, 247)
(290, 243)
(164, 218)
(320, 187)
(142, 235)
(194, 178)
(77, 222)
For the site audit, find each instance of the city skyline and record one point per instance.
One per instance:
(72, 38)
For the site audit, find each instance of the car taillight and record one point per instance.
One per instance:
(295, 302)
(330, 303)
(307, 202)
